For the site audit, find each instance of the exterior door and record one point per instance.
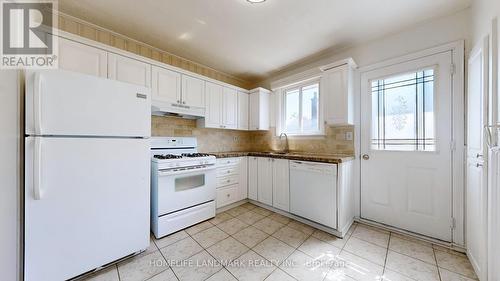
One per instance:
(406, 145)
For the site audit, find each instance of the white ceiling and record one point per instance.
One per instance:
(251, 41)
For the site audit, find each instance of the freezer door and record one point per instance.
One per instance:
(86, 204)
(63, 103)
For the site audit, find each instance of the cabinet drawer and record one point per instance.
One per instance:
(225, 181)
(227, 195)
(227, 171)
(221, 162)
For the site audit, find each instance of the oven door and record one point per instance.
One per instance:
(183, 188)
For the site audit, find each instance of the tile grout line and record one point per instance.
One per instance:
(386, 255)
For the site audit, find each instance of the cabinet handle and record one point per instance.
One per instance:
(479, 165)
(178, 101)
(227, 195)
(479, 155)
(183, 102)
(228, 180)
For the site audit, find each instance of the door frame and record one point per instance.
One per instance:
(457, 49)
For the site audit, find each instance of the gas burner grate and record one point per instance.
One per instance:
(167, 156)
(192, 155)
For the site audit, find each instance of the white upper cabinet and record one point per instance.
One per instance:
(193, 91)
(230, 109)
(243, 104)
(259, 109)
(77, 57)
(337, 92)
(129, 70)
(213, 110)
(166, 85)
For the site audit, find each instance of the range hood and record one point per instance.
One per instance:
(159, 108)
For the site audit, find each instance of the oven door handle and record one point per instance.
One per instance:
(188, 170)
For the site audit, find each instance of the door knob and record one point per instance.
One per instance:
(366, 156)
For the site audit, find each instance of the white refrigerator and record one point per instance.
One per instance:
(87, 173)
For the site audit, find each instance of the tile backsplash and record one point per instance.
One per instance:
(217, 140)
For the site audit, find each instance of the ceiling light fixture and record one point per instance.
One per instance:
(256, 1)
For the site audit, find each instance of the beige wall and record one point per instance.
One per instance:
(215, 140)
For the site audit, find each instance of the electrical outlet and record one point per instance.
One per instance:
(236, 139)
(348, 136)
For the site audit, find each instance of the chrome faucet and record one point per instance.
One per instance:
(287, 147)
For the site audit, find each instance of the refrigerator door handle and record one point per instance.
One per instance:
(37, 99)
(37, 165)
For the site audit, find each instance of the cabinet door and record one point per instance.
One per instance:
(166, 85)
(193, 91)
(213, 109)
(476, 231)
(243, 178)
(243, 100)
(265, 181)
(252, 178)
(254, 111)
(281, 184)
(230, 109)
(335, 91)
(82, 58)
(129, 70)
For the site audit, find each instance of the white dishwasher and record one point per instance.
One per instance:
(313, 192)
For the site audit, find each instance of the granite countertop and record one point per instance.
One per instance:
(300, 156)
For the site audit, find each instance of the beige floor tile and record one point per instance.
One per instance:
(280, 218)
(390, 275)
(338, 276)
(366, 250)
(412, 267)
(142, 267)
(198, 227)
(302, 267)
(291, 236)
(220, 217)
(355, 267)
(371, 235)
(273, 250)
(181, 250)
(250, 217)
(447, 275)
(167, 275)
(279, 275)
(222, 275)
(262, 211)
(152, 247)
(330, 239)
(237, 211)
(198, 267)
(352, 228)
(227, 250)
(458, 263)
(301, 227)
(318, 249)
(248, 206)
(412, 239)
(172, 238)
(107, 274)
(268, 225)
(210, 236)
(412, 249)
(250, 236)
(251, 266)
(232, 226)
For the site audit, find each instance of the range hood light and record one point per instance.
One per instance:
(256, 1)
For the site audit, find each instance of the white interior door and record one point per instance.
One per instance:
(406, 143)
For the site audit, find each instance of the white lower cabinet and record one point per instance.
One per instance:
(265, 181)
(253, 163)
(281, 184)
(231, 180)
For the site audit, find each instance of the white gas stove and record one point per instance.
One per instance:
(182, 185)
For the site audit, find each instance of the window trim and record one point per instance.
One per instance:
(282, 110)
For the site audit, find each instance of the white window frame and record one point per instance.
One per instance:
(282, 109)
